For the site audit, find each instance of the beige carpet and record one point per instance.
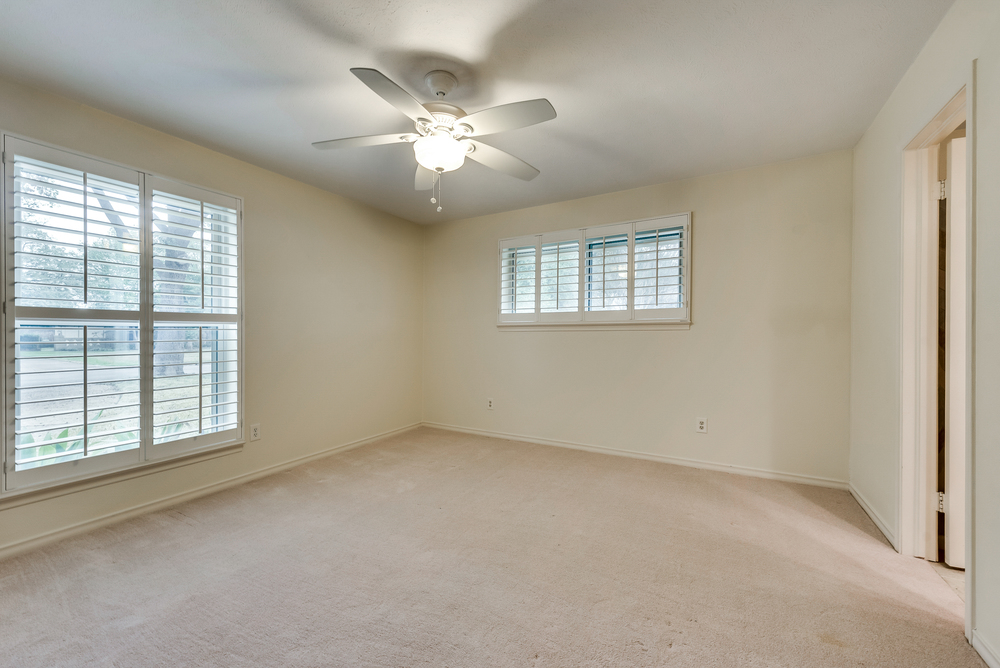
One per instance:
(441, 549)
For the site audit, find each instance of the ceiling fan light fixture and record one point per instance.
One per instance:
(439, 152)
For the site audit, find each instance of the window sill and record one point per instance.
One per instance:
(656, 325)
(21, 497)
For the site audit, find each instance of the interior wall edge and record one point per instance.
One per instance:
(42, 540)
(815, 481)
(882, 525)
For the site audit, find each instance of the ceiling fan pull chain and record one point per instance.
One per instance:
(436, 185)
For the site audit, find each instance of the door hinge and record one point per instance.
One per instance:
(944, 192)
(940, 502)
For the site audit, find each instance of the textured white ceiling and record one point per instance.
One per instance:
(647, 91)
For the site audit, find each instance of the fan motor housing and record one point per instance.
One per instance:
(444, 108)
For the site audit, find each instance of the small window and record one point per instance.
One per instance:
(614, 274)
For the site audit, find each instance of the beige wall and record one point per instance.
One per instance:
(332, 303)
(766, 360)
(971, 30)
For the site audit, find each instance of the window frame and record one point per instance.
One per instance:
(83, 470)
(627, 318)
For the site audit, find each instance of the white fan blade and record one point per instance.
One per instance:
(391, 93)
(424, 179)
(370, 140)
(509, 117)
(501, 161)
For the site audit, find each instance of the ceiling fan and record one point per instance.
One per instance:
(443, 137)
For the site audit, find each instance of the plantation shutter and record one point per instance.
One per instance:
(560, 277)
(74, 225)
(195, 295)
(76, 391)
(635, 272)
(76, 238)
(518, 279)
(194, 255)
(660, 262)
(606, 272)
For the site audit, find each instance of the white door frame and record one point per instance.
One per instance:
(917, 519)
(918, 349)
(959, 389)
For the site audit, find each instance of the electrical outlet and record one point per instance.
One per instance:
(255, 432)
(702, 427)
(489, 404)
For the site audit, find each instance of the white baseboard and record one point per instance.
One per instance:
(681, 461)
(990, 655)
(875, 517)
(42, 540)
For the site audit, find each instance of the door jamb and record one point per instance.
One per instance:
(917, 519)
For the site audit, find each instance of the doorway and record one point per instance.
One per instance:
(935, 369)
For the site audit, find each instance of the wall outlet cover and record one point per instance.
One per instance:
(702, 426)
(255, 432)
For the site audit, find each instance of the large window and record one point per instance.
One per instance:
(122, 298)
(635, 272)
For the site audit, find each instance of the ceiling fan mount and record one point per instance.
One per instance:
(444, 132)
(440, 82)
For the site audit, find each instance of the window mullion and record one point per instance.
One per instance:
(145, 319)
(538, 275)
(201, 370)
(201, 243)
(630, 283)
(86, 262)
(581, 278)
